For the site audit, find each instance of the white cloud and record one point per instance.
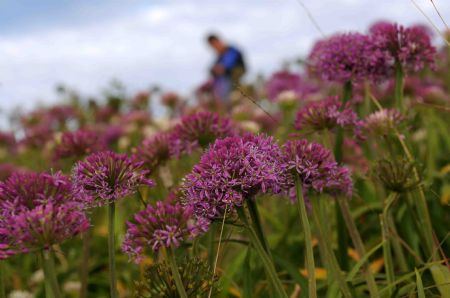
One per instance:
(164, 43)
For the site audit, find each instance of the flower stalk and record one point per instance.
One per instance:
(310, 266)
(50, 273)
(358, 243)
(328, 254)
(175, 273)
(111, 251)
(265, 258)
(2, 280)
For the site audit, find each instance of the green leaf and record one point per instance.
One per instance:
(294, 273)
(361, 262)
(441, 276)
(420, 290)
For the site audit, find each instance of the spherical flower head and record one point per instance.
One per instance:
(396, 175)
(317, 169)
(285, 81)
(26, 190)
(78, 144)
(170, 99)
(154, 151)
(411, 47)
(198, 131)
(232, 170)
(166, 224)
(38, 210)
(197, 278)
(45, 225)
(106, 177)
(347, 57)
(326, 114)
(383, 122)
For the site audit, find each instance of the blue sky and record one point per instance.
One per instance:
(85, 45)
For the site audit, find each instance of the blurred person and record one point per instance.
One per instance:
(227, 70)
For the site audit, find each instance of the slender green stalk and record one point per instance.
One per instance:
(312, 288)
(399, 86)
(84, 269)
(265, 258)
(176, 274)
(218, 251)
(2, 280)
(256, 220)
(343, 239)
(387, 256)
(50, 273)
(396, 245)
(211, 243)
(357, 241)
(112, 250)
(387, 251)
(330, 259)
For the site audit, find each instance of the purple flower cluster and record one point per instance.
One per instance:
(78, 144)
(347, 57)
(316, 168)
(284, 81)
(37, 211)
(155, 150)
(105, 177)
(164, 225)
(232, 170)
(198, 131)
(327, 113)
(409, 46)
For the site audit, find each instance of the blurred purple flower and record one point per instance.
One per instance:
(78, 144)
(347, 57)
(232, 170)
(37, 211)
(163, 225)
(283, 81)
(154, 151)
(197, 131)
(25, 190)
(327, 113)
(316, 168)
(105, 177)
(409, 46)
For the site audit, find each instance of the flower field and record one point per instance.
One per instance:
(330, 178)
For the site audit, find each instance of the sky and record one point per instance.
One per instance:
(142, 43)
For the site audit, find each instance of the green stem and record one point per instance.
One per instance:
(343, 239)
(111, 251)
(266, 261)
(357, 241)
(2, 280)
(399, 86)
(387, 251)
(312, 288)
(256, 220)
(84, 269)
(211, 243)
(397, 247)
(50, 273)
(175, 273)
(330, 259)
